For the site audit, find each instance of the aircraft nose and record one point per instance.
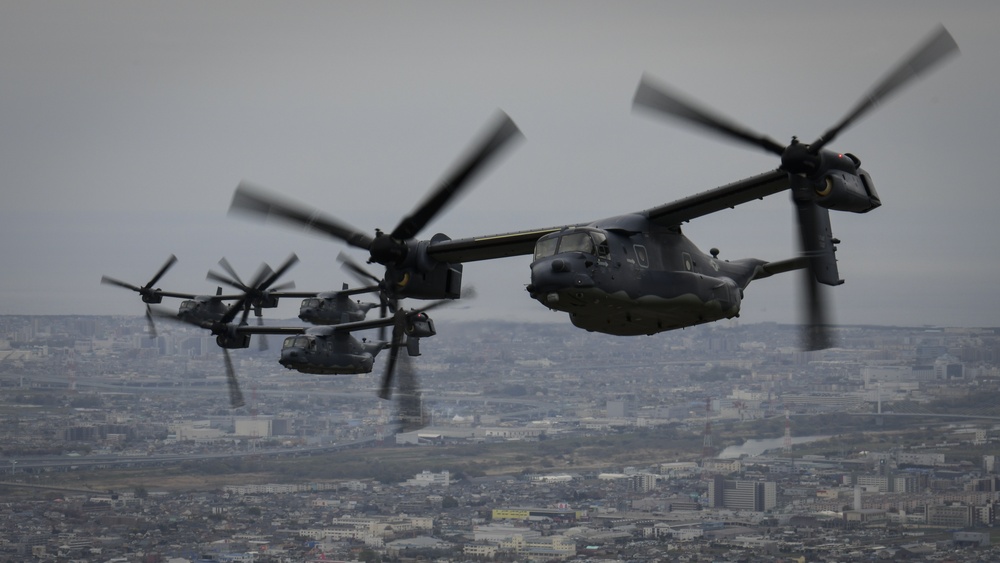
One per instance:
(290, 356)
(555, 274)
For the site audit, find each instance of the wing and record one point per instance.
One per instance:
(728, 196)
(523, 242)
(325, 329)
(175, 294)
(487, 247)
(295, 294)
(249, 329)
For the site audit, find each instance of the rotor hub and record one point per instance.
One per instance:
(798, 158)
(387, 250)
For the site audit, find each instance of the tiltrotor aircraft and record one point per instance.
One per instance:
(327, 308)
(327, 349)
(194, 306)
(635, 273)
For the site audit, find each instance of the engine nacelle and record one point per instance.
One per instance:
(266, 301)
(421, 277)
(419, 325)
(232, 340)
(152, 296)
(443, 281)
(841, 190)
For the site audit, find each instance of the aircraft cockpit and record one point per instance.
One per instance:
(312, 303)
(188, 306)
(588, 241)
(303, 342)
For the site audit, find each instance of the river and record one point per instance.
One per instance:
(752, 448)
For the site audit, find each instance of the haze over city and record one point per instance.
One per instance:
(126, 127)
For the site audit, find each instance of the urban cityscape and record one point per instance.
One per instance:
(537, 442)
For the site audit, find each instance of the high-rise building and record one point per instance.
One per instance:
(756, 496)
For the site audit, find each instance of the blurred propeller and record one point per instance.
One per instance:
(235, 395)
(387, 301)
(147, 292)
(257, 292)
(383, 248)
(223, 328)
(803, 162)
(813, 313)
(409, 402)
(399, 329)
(935, 49)
(658, 98)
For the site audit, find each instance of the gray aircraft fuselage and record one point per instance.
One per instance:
(319, 351)
(332, 307)
(628, 276)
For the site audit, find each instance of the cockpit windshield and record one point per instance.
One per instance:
(297, 342)
(313, 303)
(589, 242)
(546, 247)
(577, 242)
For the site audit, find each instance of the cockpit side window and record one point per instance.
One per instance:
(601, 241)
(640, 255)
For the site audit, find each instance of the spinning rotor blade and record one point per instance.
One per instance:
(501, 132)
(386, 302)
(935, 49)
(251, 200)
(148, 288)
(232, 273)
(397, 336)
(235, 396)
(816, 335)
(234, 279)
(261, 338)
(359, 272)
(256, 291)
(409, 406)
(813, 225)
(658, 98)
(112, 281)
(289, 262)
(392, 248)
(364, 276)
(149, 321)
(803, 165)
(398, 332)
(163, 269)
(213, 276)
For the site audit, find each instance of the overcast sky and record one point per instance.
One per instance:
(127, 125)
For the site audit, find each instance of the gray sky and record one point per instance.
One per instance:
(127, 125)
